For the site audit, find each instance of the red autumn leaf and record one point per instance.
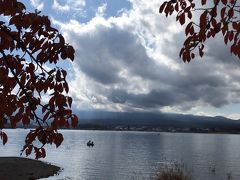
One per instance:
(189, 15)
(25, 119)
(58, 139)
(28, 150)
(176, 7)
(188, 28)
(45, 117)
(43, 153)
(4, 137)
(65, 85)
(231, 35)
(223, 10)
(235, 26)
(69, 101)
(204, 2)
(182, 18)
(74, 121)
(162, 7)
(224, 2)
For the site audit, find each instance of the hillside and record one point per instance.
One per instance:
(164, 120)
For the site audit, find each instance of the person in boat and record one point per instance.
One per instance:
(90, 143)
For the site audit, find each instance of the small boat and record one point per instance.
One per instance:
(90, 143)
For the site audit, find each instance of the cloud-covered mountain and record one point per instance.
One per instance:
(163, 120)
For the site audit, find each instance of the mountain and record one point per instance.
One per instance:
(163, 120)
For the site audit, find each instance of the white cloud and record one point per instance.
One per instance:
(59, 7)
(101, 10)
(235, 116)
(68, 5)
(37, 4)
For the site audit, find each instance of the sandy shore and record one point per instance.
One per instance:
(17, 168)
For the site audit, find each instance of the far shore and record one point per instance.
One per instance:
(23, 168)
(170, 130)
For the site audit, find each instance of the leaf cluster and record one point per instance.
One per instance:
(28, 45)
(217, 16)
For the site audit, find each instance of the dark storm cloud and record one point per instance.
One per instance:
(152, 99)
(102, 53)
(105, 52)
(94, 58)
(172, 96)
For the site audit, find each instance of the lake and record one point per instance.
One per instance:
(136, 155)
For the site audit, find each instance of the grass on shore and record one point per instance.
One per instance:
(173, 172)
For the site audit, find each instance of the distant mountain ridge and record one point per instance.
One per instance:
(164, 120)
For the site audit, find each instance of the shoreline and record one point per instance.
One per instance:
(24, 168)
(116, 130)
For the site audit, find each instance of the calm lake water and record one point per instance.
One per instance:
(137, 155)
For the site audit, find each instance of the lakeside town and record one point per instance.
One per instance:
(158, 129)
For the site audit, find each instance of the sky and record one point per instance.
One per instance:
(127, 59)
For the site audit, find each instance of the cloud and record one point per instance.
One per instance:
(37, 4)
(57, 6)
(68, 5)
(101, 10)
(130, 62)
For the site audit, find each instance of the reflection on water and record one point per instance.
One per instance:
(136, 155)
